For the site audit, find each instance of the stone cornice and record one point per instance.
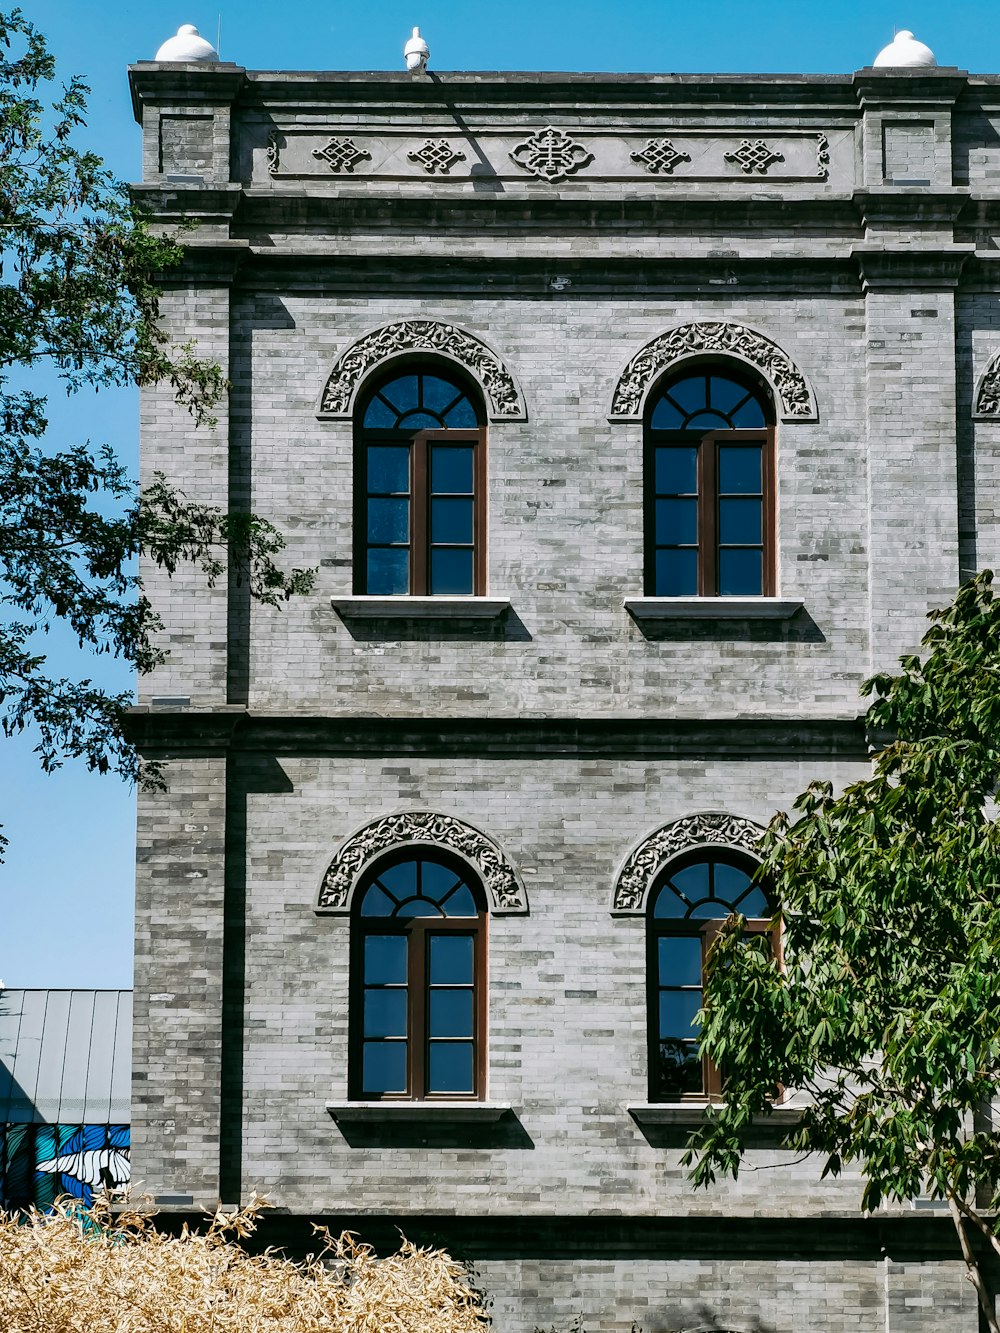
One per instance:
(908, 267)
(157, 731)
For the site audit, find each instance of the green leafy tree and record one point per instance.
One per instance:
(885, 1008)
(78, 301)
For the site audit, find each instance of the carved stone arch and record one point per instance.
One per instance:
(643, 864)
(504, 401)
(428, 830)
(794, 399)
(987, 400)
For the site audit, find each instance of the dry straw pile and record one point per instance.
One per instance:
(75, 1272)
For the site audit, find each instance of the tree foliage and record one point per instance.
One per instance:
(79, 301)
(885, 1008)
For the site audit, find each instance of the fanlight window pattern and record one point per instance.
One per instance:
(420, 488)
(419, 981)
(709, 492)
(687, 905)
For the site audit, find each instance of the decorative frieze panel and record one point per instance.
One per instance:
(644, 863)
(553, 155)
(503, 399)
(794, 399)
(427, 829)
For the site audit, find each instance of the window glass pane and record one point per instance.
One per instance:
(388, 520)
(388, 468)
(418, 907)
(739, 521)
(676, 574)
(388, 572)
(749, 416)
(385, 959)
(438, 393)
(451, 571)
(449, 1067)
(739, 469)
(385, 1013)
(730, 881)
(692, 880)
(377, 903)
(741, 573)
(436, 880)
(462, 416)
(725, 394)
(690, 393)
(400, 879)
(755, 904)
(712, 910)
(451, 469)
(679, 960)
(461, 903)
(384, 1066)
(707, 421)
(666, 416)
(450, 960)
(677, 470)
(418, 421)
(451, 520)
(676, 522)
(677, 1011)
(379, 415)
(678, 1071)
(668, 903)
(450, 1013)
(401, 393)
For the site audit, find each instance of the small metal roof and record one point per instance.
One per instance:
(65, 1056)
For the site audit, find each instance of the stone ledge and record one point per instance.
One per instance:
(712, 608)
(693, 1114)
(428, 1112)
(420, 608)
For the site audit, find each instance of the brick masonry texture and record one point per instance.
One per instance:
(565, 730)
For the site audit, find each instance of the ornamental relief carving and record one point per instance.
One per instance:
(795, 400)
(642, 866)
(988, 392)
(499, 877)
(423, 335)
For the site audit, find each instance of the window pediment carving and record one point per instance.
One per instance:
(792, 394)
(644, 863)
(421, 828)
(504, 401)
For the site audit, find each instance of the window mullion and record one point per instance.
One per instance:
(417, 972)
(708, 528)
(419, 481)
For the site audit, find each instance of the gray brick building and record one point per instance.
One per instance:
(630, 421)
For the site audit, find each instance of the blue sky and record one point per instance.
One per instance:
(66, 886)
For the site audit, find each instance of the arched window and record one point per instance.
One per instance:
(420, 485)
(709, 487)
(688, 902)
(418, 988)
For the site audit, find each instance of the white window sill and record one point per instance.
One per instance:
(429, 1112)
(712, 608)
(420, 608)
(693, 1113)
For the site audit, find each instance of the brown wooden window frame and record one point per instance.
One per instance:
(420, 545)
(708, 442)
(706, 929)
(417, 931)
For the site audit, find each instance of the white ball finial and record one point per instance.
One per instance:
(186, 46)
(905, 52)
(416, 53)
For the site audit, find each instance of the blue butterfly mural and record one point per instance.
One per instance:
(39, 1163)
